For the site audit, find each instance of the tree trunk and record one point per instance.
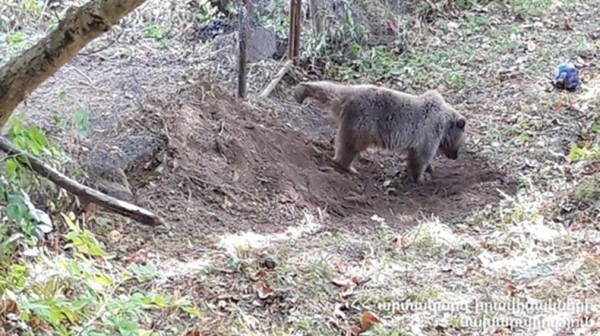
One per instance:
(23, 74)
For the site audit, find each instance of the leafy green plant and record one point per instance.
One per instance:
(143, 272)
(15, 38)
(32, 6)
(475, 22)
(588, 189)
(28, 223)
(77, 294)
(532, 7)
(596, 127)
(207, 11)
(29, 139)
(79, 290)
(583, 153)
(32, 222)
(341, 37)
(154, 31)
(80, 124)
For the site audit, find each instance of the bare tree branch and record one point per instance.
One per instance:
(115, 205)
(267, 91)
(24, 73)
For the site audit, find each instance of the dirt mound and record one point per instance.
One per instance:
(233, 165)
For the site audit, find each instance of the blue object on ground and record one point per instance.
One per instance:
(566, 76)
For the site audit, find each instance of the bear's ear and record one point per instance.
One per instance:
(461, 123)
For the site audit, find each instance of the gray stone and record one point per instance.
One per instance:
(108, 163)
(262, 44)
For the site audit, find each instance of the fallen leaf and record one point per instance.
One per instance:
(405, 241)
(569, 23)
(8, 306)
(500, 331)
(115, 236)
(367, 320)
(511, 288)
(138, 257)
(359, 280)
(353, 330)
(344, 283)
(221, 304)
(470, 268)
(340, 266)
(193, 332)
(453, 25)
(262, 289)
(55, 241)
(225, 297)
(558, 104)
(594, 258)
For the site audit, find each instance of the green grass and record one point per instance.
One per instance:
(533, 8)
(588, 189)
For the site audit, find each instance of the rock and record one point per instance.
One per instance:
(262, 44)
(108, 163)
(114, 183)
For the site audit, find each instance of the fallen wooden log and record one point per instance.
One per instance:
(267, 91)
(88, 194)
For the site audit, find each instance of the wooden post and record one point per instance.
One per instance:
(243, 50)
(316, 16)
(250, 18)
(294, 38)
(291, 34)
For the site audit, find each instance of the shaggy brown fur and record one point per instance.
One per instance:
(368, 115)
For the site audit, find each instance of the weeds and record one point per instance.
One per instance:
(587, 152)
(77, 288)
(155, 31)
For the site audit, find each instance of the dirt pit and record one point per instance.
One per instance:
(233, 166)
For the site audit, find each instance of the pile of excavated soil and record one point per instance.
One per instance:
(235, 165)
